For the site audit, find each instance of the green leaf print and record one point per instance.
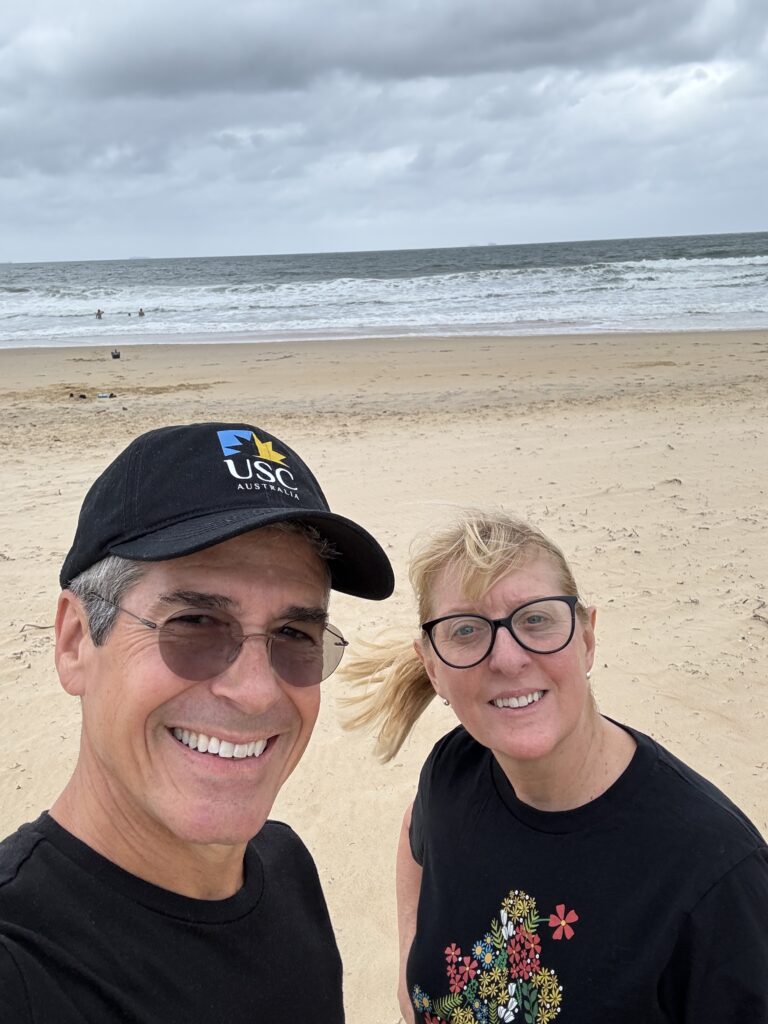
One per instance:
(529, 997)
(445, 1004)
(532, 922)
(496, 934)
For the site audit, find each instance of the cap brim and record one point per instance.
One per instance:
(360, 568)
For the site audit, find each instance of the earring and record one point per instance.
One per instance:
(446, 702)
(589, 673)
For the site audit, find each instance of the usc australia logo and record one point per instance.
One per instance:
(255, 464)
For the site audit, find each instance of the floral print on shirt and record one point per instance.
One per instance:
(500, 979)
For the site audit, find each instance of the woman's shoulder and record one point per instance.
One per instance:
(457, 747)
(455, 778)
(455, 763)
(683, 801)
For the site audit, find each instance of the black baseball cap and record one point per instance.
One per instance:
(180, 489)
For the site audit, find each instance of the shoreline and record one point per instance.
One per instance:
(128, 340)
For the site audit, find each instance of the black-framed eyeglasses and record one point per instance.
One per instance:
(543, 626)
(198, 644)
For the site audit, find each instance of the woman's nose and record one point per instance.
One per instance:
(506, 653)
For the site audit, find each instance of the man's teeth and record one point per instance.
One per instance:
(518, 702)
(213, 745)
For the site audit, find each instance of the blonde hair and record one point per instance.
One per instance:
(479, 548)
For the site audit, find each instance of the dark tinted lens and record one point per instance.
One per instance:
(303, 654)
(197, 647)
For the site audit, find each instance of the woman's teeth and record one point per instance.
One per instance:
(518, 702)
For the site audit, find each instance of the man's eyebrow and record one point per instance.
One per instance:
(204, 599)
(196, 598)
(297, 611)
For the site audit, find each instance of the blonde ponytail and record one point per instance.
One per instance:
(393, 689)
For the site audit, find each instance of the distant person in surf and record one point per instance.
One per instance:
(99, 314)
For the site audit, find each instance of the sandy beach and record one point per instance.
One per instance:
(643, 455)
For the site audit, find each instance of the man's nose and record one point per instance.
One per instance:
(249, 679)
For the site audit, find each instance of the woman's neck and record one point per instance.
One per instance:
(582, 767)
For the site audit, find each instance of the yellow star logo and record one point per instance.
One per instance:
(266, 451)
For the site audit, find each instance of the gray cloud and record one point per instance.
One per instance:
(188, 128)
(179, 49)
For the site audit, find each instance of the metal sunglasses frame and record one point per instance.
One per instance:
(241, 638)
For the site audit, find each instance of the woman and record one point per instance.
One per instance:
(553, 861)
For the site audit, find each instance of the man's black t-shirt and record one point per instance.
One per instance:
(81, 940)
(647, 905)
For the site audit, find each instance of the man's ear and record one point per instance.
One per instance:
(73, 643)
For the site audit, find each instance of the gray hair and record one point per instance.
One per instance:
(109, 580)
(102, 585)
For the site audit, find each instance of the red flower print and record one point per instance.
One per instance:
(433, 1019)
(455, 981)
(562, 922)
(453, 953)
(467, 969)
(523, 950)
(530, 941)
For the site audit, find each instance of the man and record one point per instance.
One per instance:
(192, 625)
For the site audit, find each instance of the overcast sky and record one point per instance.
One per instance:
(221, 127)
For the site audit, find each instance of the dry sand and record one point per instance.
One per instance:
(644, 456)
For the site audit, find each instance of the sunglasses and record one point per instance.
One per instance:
(198, 645)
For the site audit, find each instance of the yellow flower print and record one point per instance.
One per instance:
(493, 984)
(519, 904)
(550, 996)
(546, 1015)
(462, 1015)
(550, 989)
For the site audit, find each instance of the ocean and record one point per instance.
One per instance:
(699, 282)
